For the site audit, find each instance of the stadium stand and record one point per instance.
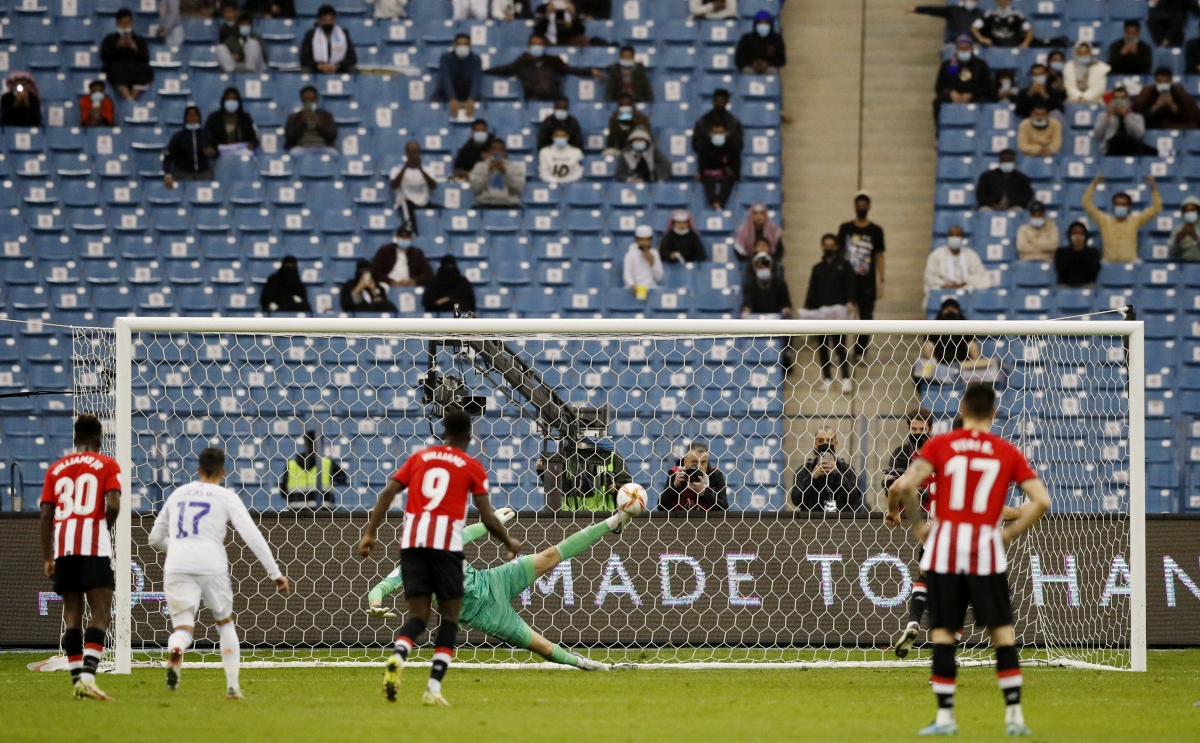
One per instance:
(90, 232)
(1162, 290)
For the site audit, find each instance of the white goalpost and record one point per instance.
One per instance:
(785, 569)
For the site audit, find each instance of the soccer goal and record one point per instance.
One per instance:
(778, 566)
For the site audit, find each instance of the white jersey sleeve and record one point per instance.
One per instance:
(248, 530)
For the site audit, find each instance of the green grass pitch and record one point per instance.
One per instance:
(662, 706)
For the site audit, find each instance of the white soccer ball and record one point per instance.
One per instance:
(631, 499)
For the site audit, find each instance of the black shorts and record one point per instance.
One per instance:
(951, 593)
(430, 572)
(82, 573)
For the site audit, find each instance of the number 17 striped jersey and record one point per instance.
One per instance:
(972, 471)
(440, 481)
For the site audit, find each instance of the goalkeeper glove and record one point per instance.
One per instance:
(381, 612)
(505, 514)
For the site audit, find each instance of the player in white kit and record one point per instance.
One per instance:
(191, 528)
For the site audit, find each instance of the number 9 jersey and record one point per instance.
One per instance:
(972, 471)
(75, 485)
(439, 480)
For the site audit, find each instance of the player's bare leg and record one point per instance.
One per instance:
(177, 645)
(231, 657)
(902, 643)
(1008, 676)
(419, 608)
(85, 647)
(944, 683)
(443, 654)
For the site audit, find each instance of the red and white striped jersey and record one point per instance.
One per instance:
(76, 485)
(440, 480)
(972, 471)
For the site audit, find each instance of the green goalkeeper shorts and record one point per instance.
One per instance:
(487, 601)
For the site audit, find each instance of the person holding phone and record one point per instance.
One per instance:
(826, 483)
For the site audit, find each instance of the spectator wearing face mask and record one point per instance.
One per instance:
(1003, 27)
(719, 114)
(21, 105)
(1129, 55)
(954, 265)
(863, 246)
(1167, 18)
(400, 263)
(1119, 132)
(476, 148)
(1085, 77)
(1039, 93)
(1184, 244)
(920, 424)
(765, 291)
(1166, 104)
(621, 124)
(1039, 135)
(681, 242)
(713, 10)
(1004, 187)
(642, 161)
(189, 152)
(758, 226)
(825, 483)
(470, 10)
(327, 47)
(559, 162)
(959, 18)
(693, 484)
(1077, 263)
(948, 357)
(311, 130)
(541, 74)
(126, 58)
(284, 291)
(560, 118)
(449, 291)
(831, 283)
(560, 23)
(1119, 230)
(1037, 239)
(497, 181)
(390, 10)
(96, 108)
(242, 50)
(718, 167)
(1005, 90)
(230, 126)
(1056, 61)
(362, 294)
(629, 77)
(762, 246)
(964, 78)
(412, 185)
(761, 51)
(643, 265)
(460, 78)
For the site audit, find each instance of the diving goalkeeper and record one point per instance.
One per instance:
(488, 594)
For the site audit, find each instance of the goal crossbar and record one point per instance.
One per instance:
(1132, 331)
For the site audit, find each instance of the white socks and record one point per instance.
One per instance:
(1013, 714)
(434, 686)
(231, 654)
(179, 640)
(945, 717)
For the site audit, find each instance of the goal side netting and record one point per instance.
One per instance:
(784, 564)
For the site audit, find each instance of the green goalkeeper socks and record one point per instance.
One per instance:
(579, 542)
(558, 655)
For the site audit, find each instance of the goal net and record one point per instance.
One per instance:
(785, 564)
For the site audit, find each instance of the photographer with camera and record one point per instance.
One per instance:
(826, 482)
(694, 484)
(920, 425)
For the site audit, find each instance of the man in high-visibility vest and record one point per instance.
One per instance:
(586, 481)
(310, 477)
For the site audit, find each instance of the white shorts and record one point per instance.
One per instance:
(183, 597)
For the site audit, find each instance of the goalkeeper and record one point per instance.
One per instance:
(488, 594)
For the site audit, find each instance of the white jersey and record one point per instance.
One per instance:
(560, 166)
(191, 527)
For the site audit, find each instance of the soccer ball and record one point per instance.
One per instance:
(631, 499)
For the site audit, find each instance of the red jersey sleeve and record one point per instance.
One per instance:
(48, 491)
(111, 477)
(479, 483)
(1021, 471)
(404, 474)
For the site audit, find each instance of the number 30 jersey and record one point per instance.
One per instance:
(972, 471)
(440, 481)
(75, 485)
(192, 527)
